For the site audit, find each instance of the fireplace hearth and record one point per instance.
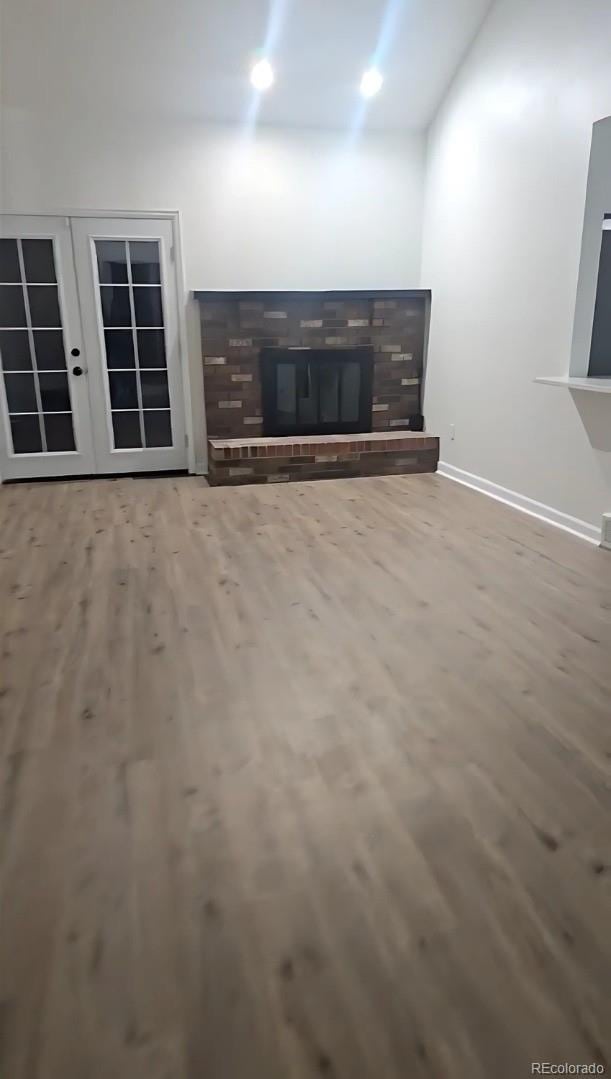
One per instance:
(306, 385)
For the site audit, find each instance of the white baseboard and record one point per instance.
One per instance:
(201, 468)
(521, 502)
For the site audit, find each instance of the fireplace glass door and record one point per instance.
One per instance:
(316, 391)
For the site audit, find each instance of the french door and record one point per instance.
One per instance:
(130, 324)
(44, 414)
(89, 348)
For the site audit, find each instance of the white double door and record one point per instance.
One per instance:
(89, 347)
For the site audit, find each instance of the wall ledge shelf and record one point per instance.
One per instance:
(590, 385)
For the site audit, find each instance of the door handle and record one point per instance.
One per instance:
(77, 371)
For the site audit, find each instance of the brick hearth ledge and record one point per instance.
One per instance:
(273, 460)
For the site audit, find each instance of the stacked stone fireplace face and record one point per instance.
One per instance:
(244, 334)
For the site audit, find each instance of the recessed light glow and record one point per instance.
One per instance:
(262, 75)
(371, 82)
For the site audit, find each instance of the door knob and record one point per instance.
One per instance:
(75, 351)
(77, 370)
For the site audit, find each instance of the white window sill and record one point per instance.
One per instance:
(591, 385)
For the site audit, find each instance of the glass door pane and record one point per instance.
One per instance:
(129, 285)
(307, 392)
(350, 396)
(328, 377)
(286, 394)
(32, 352)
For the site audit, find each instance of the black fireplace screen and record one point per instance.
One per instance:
(312, 391)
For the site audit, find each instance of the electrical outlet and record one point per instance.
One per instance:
(452, 432)
(605, 534)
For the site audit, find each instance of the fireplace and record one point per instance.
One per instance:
(317, 346)
(316, 391)
(314, 385)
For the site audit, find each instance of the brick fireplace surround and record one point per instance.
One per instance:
(236, 326)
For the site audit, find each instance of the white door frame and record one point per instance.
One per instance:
(181, 291)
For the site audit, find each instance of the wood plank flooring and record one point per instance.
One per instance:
(310, 780)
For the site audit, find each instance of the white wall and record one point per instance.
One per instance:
(505, 191)
(273, 209)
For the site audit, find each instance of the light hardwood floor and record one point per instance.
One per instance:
(309, 780)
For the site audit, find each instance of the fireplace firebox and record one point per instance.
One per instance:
(316, 391)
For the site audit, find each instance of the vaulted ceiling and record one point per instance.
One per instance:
(192, 57)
